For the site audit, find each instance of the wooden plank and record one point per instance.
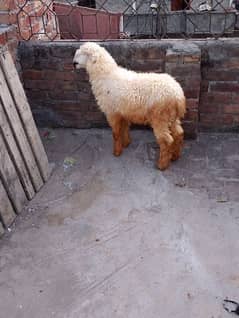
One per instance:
(15, 154)
(25, 113)
(10, 179)
(1, 229)
(6, 209)
(19, 134)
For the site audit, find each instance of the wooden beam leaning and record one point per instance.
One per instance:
(25, 113)
(1, 229)
(10, 180)
(19, 133)
(15, 154)
(7, 214)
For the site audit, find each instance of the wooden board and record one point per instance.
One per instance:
(25, 113)
(1, 229)
(15, 154)
(19, 133)
(7, 214)
(10, 179)
(24, 165)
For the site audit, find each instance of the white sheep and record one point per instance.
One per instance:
(141, 98)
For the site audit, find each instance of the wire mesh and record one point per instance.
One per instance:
(125, 19)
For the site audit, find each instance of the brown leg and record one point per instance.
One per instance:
(115, 121)
(126, 140)
(178, 134)
(165, 141)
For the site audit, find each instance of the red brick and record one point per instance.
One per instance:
(4, 17)
(95, 116)
(191, 59)
(193, 83)
(231, 109)
(57, 75)
(224, 87)
(37, 95)
(235, 98)
(192, 103)
(7, 5)
(236, 119)
(61, 95)
(12, 34)
(216, 97)
(3, 38)
(192, 115)
(230, 64)
(152, 53)
(221, 75)
(32, 74)
(227, 119)
(183, 69)
(208, 108)
(210, 119)
(66, 85)
(72, 106)
(191, 93)
(36, 28)
(25, 34)
(39, 84)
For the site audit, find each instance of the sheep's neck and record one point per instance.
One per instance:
(100, 70)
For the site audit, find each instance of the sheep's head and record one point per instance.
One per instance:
(94, 58)
(88, 52)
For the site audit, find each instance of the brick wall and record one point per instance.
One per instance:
(219, 98)
(208, 70)
(61, 97)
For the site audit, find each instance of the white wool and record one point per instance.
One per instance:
(123, 91)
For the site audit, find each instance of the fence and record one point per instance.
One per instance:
(111, 19)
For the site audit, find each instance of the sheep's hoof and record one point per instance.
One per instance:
(126, 143)
(117, 153)
(163, 165)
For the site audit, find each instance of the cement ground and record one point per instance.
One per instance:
(116, 238)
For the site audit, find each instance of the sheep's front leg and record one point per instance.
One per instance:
(115, 121)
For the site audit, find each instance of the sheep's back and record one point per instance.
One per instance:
(127, 91)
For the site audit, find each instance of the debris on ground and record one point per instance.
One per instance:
(48, 134)
(69, 162)
(190, 296)
(181, 183)
(223, 199)
(231, 306)
(68, 184)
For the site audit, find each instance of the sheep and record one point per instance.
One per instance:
(127, 97)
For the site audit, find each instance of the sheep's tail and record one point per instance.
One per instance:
(181, 107)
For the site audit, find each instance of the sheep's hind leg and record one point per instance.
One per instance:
(115, 121)
(126, 140)
(165, 141)
(178, 136)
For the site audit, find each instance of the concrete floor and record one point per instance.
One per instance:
(114, 237)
